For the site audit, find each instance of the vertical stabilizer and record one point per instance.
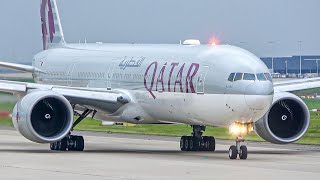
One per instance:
(52, 34)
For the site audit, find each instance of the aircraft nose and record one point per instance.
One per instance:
(259, 94)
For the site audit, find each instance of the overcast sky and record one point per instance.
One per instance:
(246, 23)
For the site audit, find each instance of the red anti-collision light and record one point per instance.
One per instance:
(214, 41)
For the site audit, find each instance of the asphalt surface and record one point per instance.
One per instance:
(120, 156)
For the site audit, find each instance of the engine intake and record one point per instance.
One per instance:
(287, 120)
(43, 116)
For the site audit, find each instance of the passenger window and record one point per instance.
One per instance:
(268, 76)
(261, 77)
(248, 76)
(238, 77)
(231, 77)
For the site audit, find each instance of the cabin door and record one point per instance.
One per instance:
(201, 79)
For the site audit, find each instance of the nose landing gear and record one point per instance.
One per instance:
(239, 129)
(237, 149)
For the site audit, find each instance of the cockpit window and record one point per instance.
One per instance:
(238, 77)
(231, 77)
(248, 76)
(268, 76)
(261, 77)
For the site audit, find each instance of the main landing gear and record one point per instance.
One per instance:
(70, 142)
(197, 142)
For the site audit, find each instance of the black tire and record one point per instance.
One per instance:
(191, 143)
(233, 152)
(196, 144)
(243, 152)
(53, 146)
(73, 147)
(79, 143)
(186, 143)
(205, 146)
(63, 144)
(212, 144)
(182, 140)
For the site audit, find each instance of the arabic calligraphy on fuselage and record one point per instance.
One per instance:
(131, 62)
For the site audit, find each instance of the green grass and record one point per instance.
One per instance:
(312, 103)
(6, 106)
(312, 136)
(5, 121)
(307, 92)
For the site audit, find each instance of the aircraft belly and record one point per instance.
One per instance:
(197, 109)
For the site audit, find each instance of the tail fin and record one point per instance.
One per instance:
(52, 34)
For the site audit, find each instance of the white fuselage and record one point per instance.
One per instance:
(166, 83)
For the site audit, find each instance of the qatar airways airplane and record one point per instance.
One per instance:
(189, 83)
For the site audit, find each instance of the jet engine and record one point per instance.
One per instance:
(43, 116)
(287, 120)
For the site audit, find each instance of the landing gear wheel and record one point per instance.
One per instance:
(76, 143)
(191, 144)
(206, 145)
(209, 144)
(243, 152)
(79, 143)
(233, 152)
(187, 143)
(194, 144)
(59, 145)
(63, 144)
(212, 144)
(53, 146)
(182, 141)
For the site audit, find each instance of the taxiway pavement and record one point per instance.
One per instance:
(119, 156)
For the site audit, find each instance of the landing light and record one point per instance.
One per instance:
(240, 129)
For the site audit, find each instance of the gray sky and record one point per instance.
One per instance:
(246, 23)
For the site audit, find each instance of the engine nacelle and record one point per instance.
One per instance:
(287, 120)
(43, 116)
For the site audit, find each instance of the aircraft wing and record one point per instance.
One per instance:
(295, 85)
(19, 67)
(82, 96)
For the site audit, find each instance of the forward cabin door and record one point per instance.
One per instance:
(201, 79)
